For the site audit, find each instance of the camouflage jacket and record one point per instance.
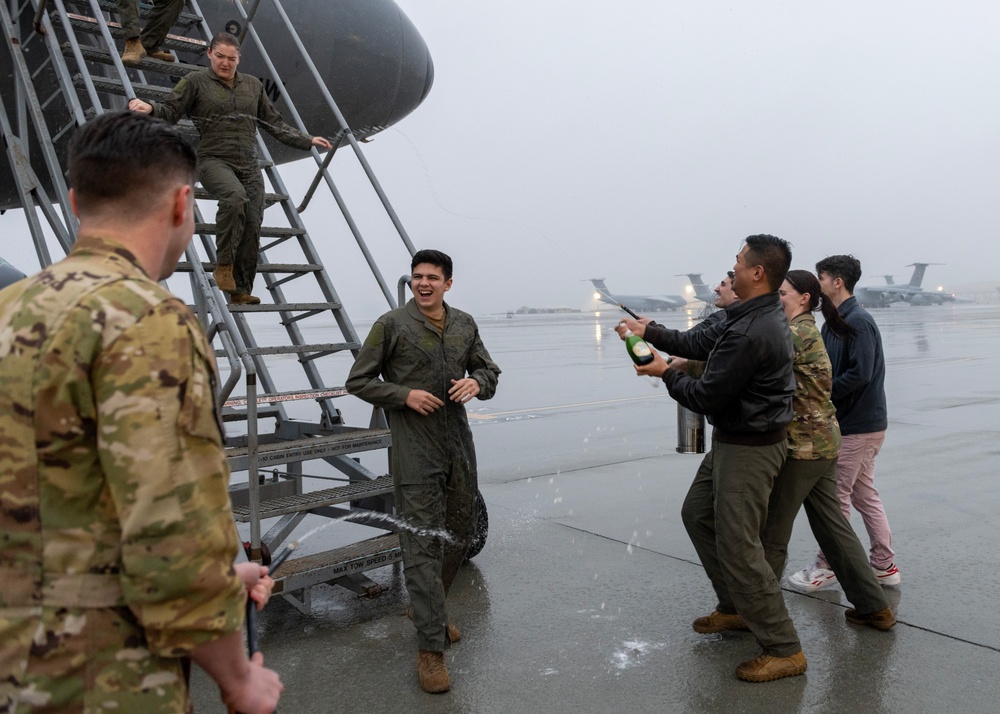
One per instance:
(116, 535)
(813, 433)
(405, 351)
(227, 117)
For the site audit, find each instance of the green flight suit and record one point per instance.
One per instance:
(161, 19)
(228, 164)
(433, 459)
(116, 534)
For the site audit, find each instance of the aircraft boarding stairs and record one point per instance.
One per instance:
(72, 72)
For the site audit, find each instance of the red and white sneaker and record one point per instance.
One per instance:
(811, 579)
(889, 576)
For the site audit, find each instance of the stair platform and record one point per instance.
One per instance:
(354, 491)
(319, 447)
(309, 570)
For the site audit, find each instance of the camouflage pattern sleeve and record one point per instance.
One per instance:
(160, 448)
(813, 432)
(365, 379)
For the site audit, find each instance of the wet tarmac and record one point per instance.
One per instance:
(583, 597)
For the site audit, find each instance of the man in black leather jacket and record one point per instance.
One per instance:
(746, 394)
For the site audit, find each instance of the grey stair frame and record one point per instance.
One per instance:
(87, 79)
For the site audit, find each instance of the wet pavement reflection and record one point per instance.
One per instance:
(583, 597)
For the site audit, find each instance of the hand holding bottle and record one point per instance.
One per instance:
(657, 366)
(629, 325)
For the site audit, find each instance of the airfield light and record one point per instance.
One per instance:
(689, 289)
(940, 288)
(597, 296)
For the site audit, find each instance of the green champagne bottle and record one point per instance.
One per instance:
(637, 348)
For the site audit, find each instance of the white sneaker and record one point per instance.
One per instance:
(811, 579)
(889, 576)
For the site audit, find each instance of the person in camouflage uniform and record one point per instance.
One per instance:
(810, 472)
(116, 536)
(226, 107)
(414, 365)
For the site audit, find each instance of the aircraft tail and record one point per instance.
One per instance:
(918, 273)
(599, 284)
(701, 291)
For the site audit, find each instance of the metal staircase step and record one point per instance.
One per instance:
(101, 56)
(298, 573)
(317, 499)
(265, 231)
(85, 23)
(234, 409)
(319, 349)
(109, 85)
(269, 198)
(287, 307)
(185, 267)
(319, 447)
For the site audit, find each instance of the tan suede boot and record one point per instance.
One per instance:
(433, 672)
(241, 298)
(160, 55)
(224, 277)
(134, 52)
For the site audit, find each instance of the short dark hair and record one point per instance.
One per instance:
(434, 257)
(845, 267)
(126, 158)
(224, 38)
(771, 253)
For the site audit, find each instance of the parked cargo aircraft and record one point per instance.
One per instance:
(912, 292)
(639, 303)
(372, 59)
(701, 291)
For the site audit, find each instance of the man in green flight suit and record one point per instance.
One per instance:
(226, 107)
(422, 363)
(116, 535)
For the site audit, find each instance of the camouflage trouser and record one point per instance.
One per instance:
(815, 483)
(445, 500)
(160, 21)
(241, 209)
(723, 513)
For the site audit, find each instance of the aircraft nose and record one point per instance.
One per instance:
(379, 67)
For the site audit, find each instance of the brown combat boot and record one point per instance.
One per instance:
(881, 620)
(765, 668)
(134, 52)
(718, 622)
(160, 55)
(241, 298)
(224, 277)
(433, 672)
(454, 634)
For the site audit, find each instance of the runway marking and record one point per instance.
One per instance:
(494, 415)
(938, 363)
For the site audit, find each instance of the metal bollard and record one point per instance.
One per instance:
(690, 431)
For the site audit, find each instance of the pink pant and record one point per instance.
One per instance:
(855, 486)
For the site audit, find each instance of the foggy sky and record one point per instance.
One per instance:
(569, 139)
